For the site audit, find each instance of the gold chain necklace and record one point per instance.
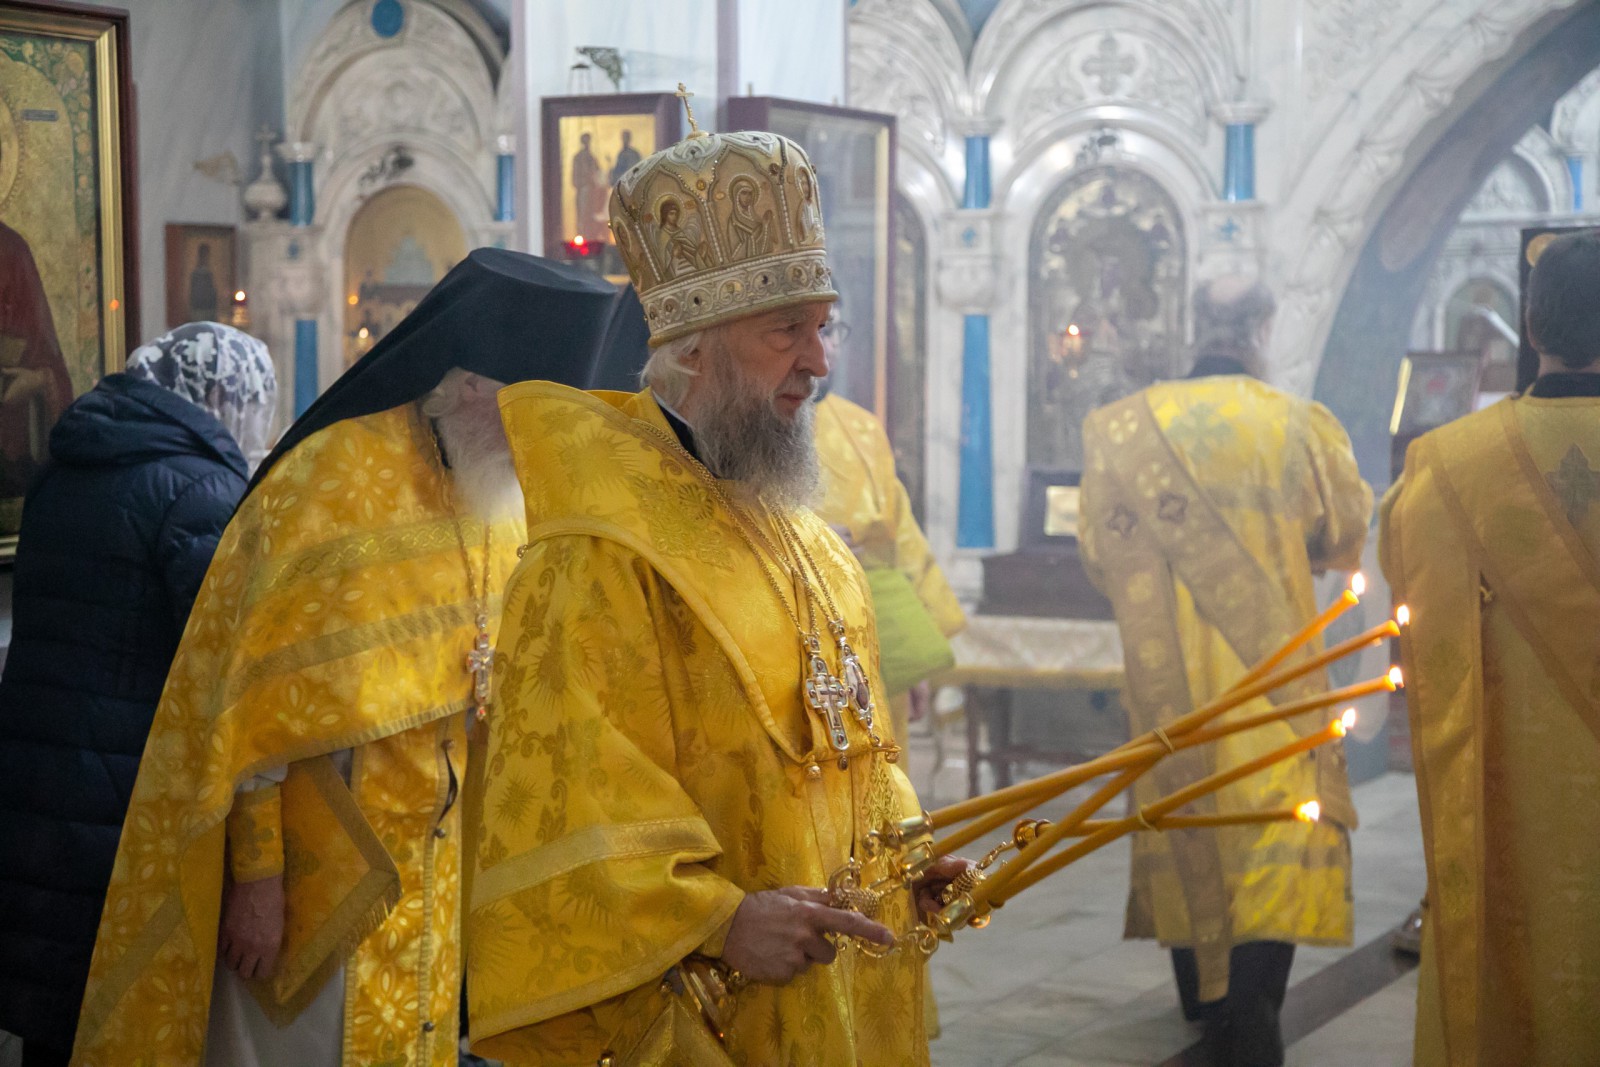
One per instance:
(821, 689)
(480, 657)
(854, 675)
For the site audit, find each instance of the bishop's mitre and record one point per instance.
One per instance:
(718, 227)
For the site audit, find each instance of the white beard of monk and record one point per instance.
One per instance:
(474, 440)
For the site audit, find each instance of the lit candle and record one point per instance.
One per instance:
(1310, 811)
(1234, 697)
(1003, 805)
(1134, 764)
(1347, 600)
(1028, 868)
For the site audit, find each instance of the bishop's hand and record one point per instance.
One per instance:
(932, 884)
(252, 926)
(778, 933)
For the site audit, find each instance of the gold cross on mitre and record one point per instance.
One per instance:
(684, 94)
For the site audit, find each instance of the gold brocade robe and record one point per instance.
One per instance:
(650, 762)
(335, 615)
(1207, 504)
(1492, 538)
(862, 495)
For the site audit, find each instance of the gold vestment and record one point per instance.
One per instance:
(1491, 540)
(863, 496)
(335, 615)
(1207, 504)
(650, 762)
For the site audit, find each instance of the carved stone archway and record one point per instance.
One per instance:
(418, 107)
(1446, 164)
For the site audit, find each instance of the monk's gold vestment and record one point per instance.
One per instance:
(1206, 506)
(1491, 539)
(335, 615)
(650, 762)
(863, 496)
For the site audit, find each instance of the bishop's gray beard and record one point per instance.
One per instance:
(481, 471)
(741, 436)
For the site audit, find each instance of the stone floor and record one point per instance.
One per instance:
(1051, 983)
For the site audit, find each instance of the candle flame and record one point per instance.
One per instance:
(1310, 811)
(1397, 677)
(238, 296)
(1072, 330)
(1348, 719)
(1402, 615)
(1358, 584)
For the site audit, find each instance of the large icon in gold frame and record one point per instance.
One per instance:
(68, 296)
(588, 143)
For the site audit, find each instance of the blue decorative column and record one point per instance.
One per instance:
(302, 195)
(301, 158)
(305, 364)
(1575, 169)
(1239, 169)
(1239, 120)
(505, 201)
(975, 505)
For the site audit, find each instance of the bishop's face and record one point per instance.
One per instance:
(779, 354)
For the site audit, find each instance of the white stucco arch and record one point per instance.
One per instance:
(1352, 173)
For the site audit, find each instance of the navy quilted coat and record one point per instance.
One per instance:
(116, 536)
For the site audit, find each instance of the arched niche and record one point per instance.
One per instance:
(416, 109)
(1108, 288)
(1517, 187)
(397, 247)
(1464, 328)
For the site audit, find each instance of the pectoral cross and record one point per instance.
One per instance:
(856, 686)
(826, 696)
(480, 664)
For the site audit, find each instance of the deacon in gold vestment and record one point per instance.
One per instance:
(684, 749)
(863, 498)
(1206, 506)
(287, 888)
(1491, 538)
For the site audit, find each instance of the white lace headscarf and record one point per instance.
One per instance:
(222, 370)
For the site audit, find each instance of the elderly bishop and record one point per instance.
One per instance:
(689, 739)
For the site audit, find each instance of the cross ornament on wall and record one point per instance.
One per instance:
(1109, 64)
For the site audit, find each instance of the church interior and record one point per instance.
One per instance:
(1024, 203)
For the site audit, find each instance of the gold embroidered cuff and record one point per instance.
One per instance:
(255, 835)
(713, 945)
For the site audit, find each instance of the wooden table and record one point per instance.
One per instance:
(997, 655)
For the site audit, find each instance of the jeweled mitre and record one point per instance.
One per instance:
(718, 227)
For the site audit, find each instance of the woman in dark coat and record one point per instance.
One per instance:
(117, 532)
